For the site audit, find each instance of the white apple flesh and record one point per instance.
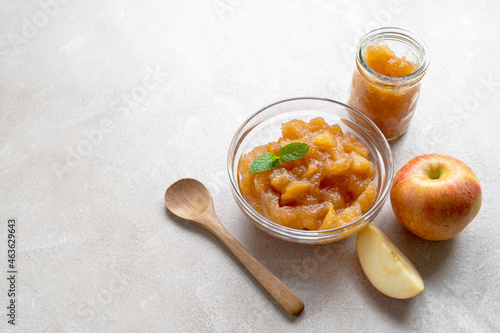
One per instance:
(387, 268)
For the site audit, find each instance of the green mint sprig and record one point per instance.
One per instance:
(291, 152)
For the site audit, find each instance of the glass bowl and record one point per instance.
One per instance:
(265, 126)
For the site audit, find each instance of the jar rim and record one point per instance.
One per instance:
(402, 35)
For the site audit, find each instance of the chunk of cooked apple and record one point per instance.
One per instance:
(387, 268)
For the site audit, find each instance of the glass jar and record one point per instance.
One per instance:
(382, 93)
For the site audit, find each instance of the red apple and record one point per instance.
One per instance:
(435, 196)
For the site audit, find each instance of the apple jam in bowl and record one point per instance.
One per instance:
(329, 194)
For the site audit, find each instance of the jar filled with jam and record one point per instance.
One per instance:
(390, 63)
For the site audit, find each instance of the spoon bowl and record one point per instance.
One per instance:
(189, 199)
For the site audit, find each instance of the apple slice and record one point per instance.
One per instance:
(387, 268)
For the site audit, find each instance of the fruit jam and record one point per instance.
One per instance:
(331, 186)
(383, 60)
(386, 87)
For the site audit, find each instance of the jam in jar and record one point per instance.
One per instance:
(390, 64)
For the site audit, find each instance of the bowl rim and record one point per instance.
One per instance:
(292, 234)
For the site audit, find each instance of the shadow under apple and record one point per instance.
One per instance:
(429, 257)
(398, 310)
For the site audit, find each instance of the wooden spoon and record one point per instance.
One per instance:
(191, 200)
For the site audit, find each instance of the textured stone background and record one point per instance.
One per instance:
(105, 103)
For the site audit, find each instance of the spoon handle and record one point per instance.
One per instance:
(280, 292)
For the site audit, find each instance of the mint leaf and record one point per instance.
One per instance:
(268, 161)
(293, 151)
(277, 163)
(264, 162)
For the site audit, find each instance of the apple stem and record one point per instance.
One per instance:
(435, 171)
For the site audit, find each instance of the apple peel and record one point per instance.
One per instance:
(435, 196)
(385, 266)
